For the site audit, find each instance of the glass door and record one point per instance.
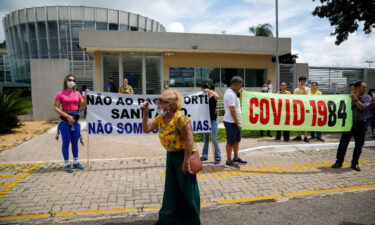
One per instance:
(132, 70)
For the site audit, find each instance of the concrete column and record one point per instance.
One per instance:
(98, 71)
(143, 74)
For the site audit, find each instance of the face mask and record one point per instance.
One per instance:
(161, 112)
(265, 89)
(71, 84)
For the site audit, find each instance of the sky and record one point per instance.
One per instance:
(310, 35)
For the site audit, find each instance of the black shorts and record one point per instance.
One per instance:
(233, 133)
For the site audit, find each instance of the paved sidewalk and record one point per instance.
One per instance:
(44, 190)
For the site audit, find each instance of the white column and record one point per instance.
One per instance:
(143, 73)
(120, 70)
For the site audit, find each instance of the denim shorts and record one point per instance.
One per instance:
(233, 133)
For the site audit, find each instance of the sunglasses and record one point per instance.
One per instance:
(161, 101)
(71, 80)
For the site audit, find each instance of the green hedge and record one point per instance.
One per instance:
(244, 134)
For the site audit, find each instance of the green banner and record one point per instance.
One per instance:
(264, 111)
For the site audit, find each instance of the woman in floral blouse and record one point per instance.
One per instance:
(181, 200)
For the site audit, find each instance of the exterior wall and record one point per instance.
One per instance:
(51, 32)
(300, 69)
(370, 79)
(47, 77)
(220, 60)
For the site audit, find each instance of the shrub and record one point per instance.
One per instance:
(244, 134)
(12, 104)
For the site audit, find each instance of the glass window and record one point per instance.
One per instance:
(53, 39)
(181, 76)
(101, 26)
(64, 39)
(228, 73)
(255, 77)
(26, 40)
(43, 40)
(33, 44)
(113, 26)
(124, 27)
(88, 25)
(133, 28)
(210, 74)
(153, 74)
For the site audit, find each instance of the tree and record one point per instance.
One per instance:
(264, 30)
(3, 44)
(286, 59)
(346, 15)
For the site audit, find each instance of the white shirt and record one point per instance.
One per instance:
(231, 99)
(270, 88)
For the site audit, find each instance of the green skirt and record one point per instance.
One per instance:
(181, 200)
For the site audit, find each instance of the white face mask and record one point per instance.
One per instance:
(71, 84)
(265, 89)
(161, 112)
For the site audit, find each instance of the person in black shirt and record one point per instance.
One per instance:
(212, 101)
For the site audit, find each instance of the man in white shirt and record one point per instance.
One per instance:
(232, 122)
(302, 90)
(269, 84)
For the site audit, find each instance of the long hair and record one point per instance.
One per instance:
(66, 82)
(177, 98)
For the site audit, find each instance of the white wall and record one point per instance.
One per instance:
(47, 76)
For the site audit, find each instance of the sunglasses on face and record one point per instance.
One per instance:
(161, 101)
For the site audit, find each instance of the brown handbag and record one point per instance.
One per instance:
(195, 163)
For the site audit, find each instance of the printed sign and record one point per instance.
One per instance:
(263, 111)
(121, 114)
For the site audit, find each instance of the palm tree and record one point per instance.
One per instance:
(264, 30)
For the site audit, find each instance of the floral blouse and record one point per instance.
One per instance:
(169, 135)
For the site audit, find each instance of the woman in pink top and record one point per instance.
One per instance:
(67, 103)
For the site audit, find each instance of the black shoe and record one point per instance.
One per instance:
(311, 138)
(232, 165)
(203, 159)
(277, 139)
(217, 162)
(336, 165)
(321, 139)
(269, 135)
(286, 140)
(239, 160)
(298, 138)
(306, 139)
(355, 167)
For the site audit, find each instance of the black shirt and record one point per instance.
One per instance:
(212, 104)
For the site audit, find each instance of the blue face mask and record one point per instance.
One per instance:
(161, 112)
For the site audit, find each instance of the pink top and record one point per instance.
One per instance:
(69, 99)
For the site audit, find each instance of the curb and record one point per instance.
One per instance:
(300, 147)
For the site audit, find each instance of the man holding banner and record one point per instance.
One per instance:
(301, 90)
(361, 104)
(232, 122)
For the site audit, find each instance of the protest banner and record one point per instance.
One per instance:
(121, 114)
(264, 111)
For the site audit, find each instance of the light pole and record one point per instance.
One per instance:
(277, 48)
(369, 62)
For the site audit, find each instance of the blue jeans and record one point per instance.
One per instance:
(70, 136)
(206, 136)
(316, 134)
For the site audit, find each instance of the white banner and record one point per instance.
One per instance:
(121, 114)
